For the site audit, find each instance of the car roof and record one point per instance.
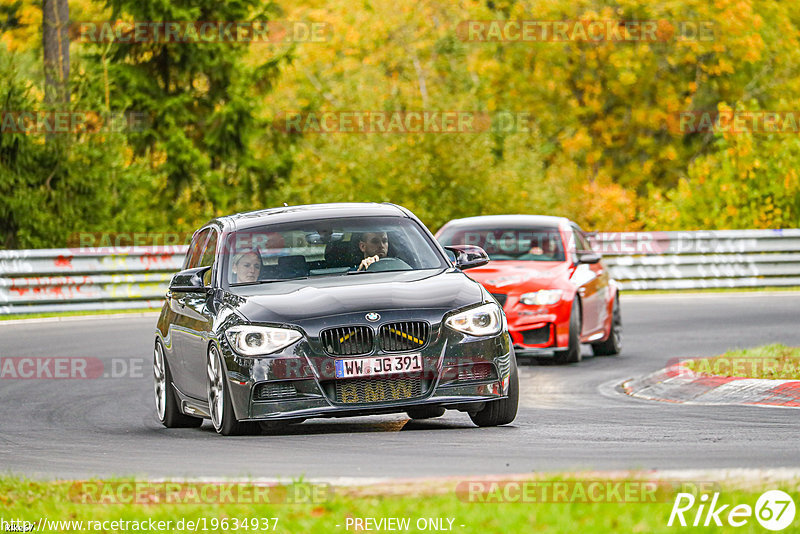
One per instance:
(284, 214)
(546, 221)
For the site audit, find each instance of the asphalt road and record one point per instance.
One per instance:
(571, 417)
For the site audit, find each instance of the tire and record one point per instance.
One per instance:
(425, 412)
(573, 352)
(220, 406)
(503, 411)
(168, 410)
(613, 344)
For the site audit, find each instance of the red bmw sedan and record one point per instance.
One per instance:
(555, 290)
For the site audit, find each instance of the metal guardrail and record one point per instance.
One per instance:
(702, 259)
(43, 281)
(48, 280)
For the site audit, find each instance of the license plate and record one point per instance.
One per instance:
(378, 366)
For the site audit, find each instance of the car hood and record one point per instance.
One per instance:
(520, 276)
(300, 300)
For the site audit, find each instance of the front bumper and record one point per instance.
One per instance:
(299, 382)
(538, 331)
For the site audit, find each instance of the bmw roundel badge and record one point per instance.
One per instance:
(372, 317)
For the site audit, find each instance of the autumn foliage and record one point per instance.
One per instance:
(592, 135)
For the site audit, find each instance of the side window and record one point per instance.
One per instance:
(207, 258)
(193, 256)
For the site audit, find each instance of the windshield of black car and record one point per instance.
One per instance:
(327, 247)
(504, 243)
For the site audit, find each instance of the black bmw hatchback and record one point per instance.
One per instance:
(326, 311)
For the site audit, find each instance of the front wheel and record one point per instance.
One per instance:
(503, 411)
(573, 352)
(613, 344)
(220, 405)
(167, 408)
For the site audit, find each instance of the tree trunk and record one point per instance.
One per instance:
(55, 37)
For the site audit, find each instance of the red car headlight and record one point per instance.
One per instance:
(542, 297)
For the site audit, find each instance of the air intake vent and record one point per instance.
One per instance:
(536, 336)
(399, 337)
(280, 390)
(347, 341)
(478, 371)
(501, 298)
(367, 390)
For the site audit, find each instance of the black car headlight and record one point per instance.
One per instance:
(485, 320)
(249, 340)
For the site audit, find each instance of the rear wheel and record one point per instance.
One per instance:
(503, 411)
(613, 344)
(573, 352)
(167, 407)
(220, 405)
(425, 412)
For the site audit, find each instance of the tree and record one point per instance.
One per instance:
(201, 99)
(55, 39)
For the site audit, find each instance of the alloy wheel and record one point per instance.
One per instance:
(159, 381)
(216, 389)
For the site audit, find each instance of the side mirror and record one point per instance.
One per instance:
(589, 257)
(468, 256)
(190, 280)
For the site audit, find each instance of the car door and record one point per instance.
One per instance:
(180, 327)
(589, 279)
(199, 319)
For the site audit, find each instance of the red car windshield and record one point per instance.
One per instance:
(519, 244)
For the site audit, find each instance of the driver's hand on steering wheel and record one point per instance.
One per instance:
(366, 262)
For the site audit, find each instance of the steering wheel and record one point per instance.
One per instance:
(389, 264)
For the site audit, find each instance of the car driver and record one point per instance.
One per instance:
(374, 246)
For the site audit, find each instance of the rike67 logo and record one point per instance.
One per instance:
(774, 510)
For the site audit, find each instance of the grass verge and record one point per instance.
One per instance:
(326, 509)
(777, 362)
